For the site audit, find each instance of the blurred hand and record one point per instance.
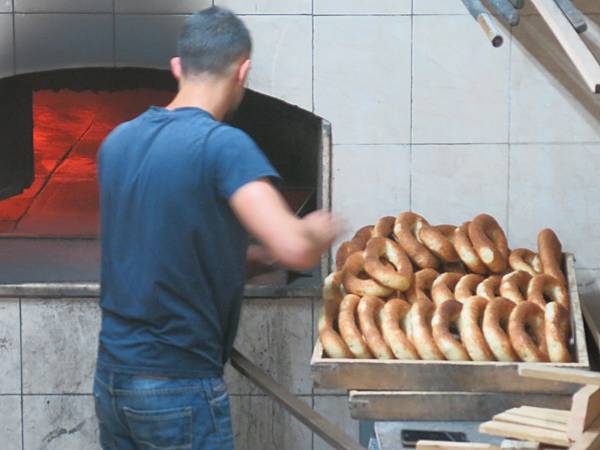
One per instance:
(322, 227)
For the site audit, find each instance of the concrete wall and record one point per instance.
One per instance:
(426, 116)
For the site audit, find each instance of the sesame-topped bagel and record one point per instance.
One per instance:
(397, 273)
(445, 316)
(333, 344)
(421, 287)
(407, 229)
(514, 286)
(349, 329)
(550, 250)
(438, 239)
(525, 260)
(490, 287)
(466, 251)
(391, 316)
(384, 227)
(489, 242)
(357, 243)
(557, 332)
(418, 328)
(466, 286)
(496, 320)
(470, 327)
(528, 317)
(443, 287)
(544, 288)
(353, 284)
(368, 314)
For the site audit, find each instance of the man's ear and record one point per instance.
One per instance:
(176, 69)
(243, 72)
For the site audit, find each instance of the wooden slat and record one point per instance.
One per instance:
(317, 423)
(590, 439)
(585, 410)
(524, 420)
(577, 323)
(525, 432)
(465, 406)
(449, 445)
(560, 374)
(554, 415)
(580, 55)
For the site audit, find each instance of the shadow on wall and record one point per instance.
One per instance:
(535, 38)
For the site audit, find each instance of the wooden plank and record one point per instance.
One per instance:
(560, 374)
(555, 415)
(524, 420)
(590, 439)
(455, 376)
(585, 410)
(519, 445)
(578, 52)
(525, 432)
(462, 406)
(449, 445)
(316, 422)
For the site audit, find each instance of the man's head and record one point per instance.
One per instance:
(214, 44)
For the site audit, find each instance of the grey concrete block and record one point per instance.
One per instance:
(10, 347)
(336, 409)
(59, 345)
(267, 6)
(7, 62)
(261, 423)
(6, 6)
(56, 41)
(277, 336)
(60, 422)
(10, 422)
(160, 6)
(63, 6)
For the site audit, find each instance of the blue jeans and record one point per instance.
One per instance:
(137, 412)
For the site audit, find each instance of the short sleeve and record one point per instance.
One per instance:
(237, 160)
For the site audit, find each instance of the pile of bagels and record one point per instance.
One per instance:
(408, 290)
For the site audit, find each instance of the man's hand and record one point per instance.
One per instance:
(293, 242)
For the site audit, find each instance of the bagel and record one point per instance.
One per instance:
(353, 284)
(349, 329)
(550, 250)
(368, 313)
(333, 344)
(384, 227)
(390, 317)
(496, 320)
(490, 287)
(465, 250)
(398, 274)
(357, 243)
(489, 242)
(528, 316)
(455, 267)
(466, 286)
(421, 287)
(418, 327)
(542, 287)
(514, 286)
(438, 240)
(525, 260)
(557, 333)
(470, 328)
(446, 315)
(407, 229)
(443, 287)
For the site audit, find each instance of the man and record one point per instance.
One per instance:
(180, 192)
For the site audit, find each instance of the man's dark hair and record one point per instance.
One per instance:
(211, 41)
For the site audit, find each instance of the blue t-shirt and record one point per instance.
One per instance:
(173, 252)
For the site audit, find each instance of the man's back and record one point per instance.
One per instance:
(172, 251)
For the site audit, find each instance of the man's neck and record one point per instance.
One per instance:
(210, 97)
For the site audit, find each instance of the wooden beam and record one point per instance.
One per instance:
(555, 415)
(585, 410)
(580, 54)
(525, 432)
(576, 376)
(317, 423)
(449, 445)
(531, 421)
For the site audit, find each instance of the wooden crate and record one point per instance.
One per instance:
(450, 376)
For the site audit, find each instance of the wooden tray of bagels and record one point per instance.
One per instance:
(417, 307)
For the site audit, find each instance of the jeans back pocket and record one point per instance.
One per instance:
(166, 429)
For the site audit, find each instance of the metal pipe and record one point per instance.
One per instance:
(506, 10)
(573, 14)
(485, 20)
